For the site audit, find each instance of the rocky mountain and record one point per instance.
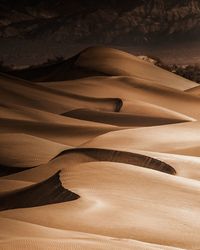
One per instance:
(105, 21)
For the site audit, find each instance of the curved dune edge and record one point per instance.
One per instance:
(194, 90)
(71, 157)
(49, 191)
(186, 166)
(176, 138)
(96, 154)
(121, 119)
(72, 134)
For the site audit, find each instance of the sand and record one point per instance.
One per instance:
(99, 152)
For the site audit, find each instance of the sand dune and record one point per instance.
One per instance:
(70, 134)
(47, 192)
(100, 151)
(150, 138)
(11, 185)
(101, 185)
(24, 151)
(114, 62)
(41, 237)
(77, 243)
(135, 91)
(105, 61)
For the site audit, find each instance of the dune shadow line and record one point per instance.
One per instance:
(49, 191)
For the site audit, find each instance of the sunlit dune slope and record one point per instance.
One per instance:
(139, 96)
(99, 152)
(114, 62)
(98, 61)
(36, 236)
(194, 90)
(106, 188)
(173, 138)
(16, 91)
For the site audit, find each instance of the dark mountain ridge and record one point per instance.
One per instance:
(111, 21)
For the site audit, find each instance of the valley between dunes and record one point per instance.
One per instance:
(100, 151)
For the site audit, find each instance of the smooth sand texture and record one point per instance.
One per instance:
(109, 161)
(114, 62)
(149, 97)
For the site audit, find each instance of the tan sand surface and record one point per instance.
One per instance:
(100, 152)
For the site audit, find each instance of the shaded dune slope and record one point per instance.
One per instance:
(67, 159)
(7, 170)
(65, 70)
(12, 185)
(49, 191)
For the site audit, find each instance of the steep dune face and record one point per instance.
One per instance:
(109, 161)
(47, 192)
(23, 150)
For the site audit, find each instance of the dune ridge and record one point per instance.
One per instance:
(100, 151)
(118, 156)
